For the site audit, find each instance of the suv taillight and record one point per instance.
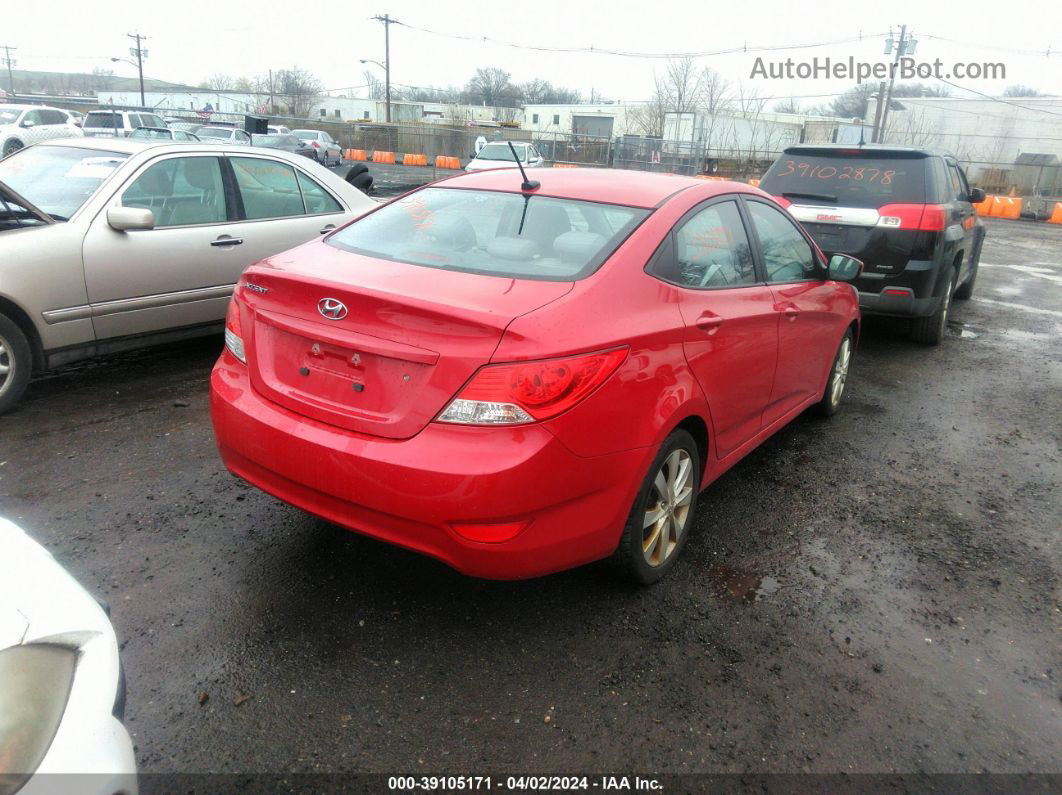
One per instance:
(233, 331)
(523, 392)
(923, 217)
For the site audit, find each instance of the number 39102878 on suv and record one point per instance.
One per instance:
(518, 377)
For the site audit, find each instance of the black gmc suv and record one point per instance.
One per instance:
(906, 213)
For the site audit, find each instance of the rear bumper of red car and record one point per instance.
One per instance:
(414, 492)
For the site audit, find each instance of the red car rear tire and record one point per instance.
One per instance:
(662, 516)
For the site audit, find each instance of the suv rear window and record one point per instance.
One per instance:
(501, 234)
(103, 120)
(847, 179)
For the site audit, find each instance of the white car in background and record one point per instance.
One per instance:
(279, 129)
(62, 692)
(110, 244)
(22, 125)
(223, 135)
(118, 123)
(326, 149)
(497, 154)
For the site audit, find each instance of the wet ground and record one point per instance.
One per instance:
(876, 592)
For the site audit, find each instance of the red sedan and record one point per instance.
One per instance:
(522, 377)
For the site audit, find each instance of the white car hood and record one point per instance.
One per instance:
(38, 598)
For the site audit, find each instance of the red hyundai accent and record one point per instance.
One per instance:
(522, 377)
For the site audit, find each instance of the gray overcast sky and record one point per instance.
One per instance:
(193, 39)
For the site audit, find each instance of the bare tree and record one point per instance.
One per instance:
(374, 86)
(100, 79)
(218, 82)
(648, 118)
(790, 105)
(920, 90)
(298, 88)
(1018, 90)
(683, 87)
(492, 86)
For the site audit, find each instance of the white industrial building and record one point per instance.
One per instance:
(324, 108)
(606, 120)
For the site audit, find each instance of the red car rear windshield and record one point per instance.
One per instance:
(501, 234)
(847, 179)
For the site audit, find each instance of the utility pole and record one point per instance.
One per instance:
(270, 92)
(904, 47)
(10, 63)
(140, 54)
(387, 22)
(877, 112)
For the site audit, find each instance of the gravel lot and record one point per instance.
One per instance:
(877, 592)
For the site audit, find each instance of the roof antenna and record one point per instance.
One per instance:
(529, 184)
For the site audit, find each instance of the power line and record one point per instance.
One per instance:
(1047, 53)
(591, 50)
(979, 113)
(998, 99)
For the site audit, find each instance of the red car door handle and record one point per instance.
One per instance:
(709, 323)
(789, 310)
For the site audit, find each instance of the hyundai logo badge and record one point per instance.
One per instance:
(332, 308)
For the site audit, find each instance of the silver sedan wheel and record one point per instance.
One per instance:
(668, 508)
(7, 366)
(840, 371)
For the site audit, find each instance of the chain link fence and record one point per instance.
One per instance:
(1040, 181)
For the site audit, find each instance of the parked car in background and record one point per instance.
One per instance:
(518, 381)
(77, 117)
(111, 244)
(162, 134)
(288, 143)
(118, 123)
(62, 691)
(324, 146)
(907, 213)
(22, 125)
(497, 154)
(278, 129)
(185, 126)
(223, 135)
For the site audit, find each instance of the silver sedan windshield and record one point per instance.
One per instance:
(58, 179)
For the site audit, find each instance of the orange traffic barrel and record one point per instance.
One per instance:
(383, 157)
(985, 207)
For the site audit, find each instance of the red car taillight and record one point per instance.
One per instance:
(782, 201)
(923, 217)
(315, 145)
(519, 393)
(233, 331)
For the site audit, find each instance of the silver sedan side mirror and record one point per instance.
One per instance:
(125, 219)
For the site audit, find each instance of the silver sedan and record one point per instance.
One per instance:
(111, 244)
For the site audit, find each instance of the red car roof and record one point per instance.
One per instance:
(615, 186)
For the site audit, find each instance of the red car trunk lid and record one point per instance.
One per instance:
(408, 339)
